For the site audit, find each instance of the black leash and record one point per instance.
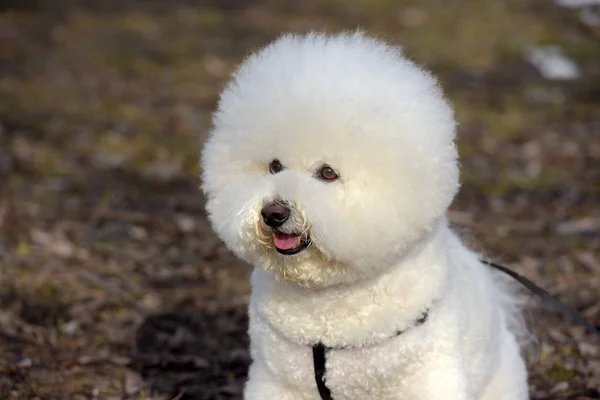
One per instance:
(545, 296)
(319, 365)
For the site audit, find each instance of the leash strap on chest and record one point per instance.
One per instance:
(319, 364)
(545, 296)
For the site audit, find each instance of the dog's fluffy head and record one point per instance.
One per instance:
(349, 102)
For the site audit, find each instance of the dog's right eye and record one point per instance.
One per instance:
(275, 166)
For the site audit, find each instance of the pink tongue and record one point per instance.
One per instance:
(284, 241)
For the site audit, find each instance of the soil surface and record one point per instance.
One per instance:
(112, 285)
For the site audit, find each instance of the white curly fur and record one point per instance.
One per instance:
(381, 251)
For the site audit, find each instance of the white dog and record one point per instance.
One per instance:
(330, 168)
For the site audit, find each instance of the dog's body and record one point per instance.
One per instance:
(348, 261)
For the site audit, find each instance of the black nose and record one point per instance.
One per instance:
(275, 214)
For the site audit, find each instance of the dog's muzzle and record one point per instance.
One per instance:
(275, 214)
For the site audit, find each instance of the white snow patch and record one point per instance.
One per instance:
(552, 63)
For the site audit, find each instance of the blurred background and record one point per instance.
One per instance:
(112, 285)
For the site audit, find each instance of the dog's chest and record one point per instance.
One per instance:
(354, 373)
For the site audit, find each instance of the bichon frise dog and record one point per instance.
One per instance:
(330, 168)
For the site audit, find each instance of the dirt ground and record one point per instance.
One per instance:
(112, 285)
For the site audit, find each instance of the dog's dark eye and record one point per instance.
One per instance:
(327, 174)
(275, 166)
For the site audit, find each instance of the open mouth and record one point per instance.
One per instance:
(289, 244)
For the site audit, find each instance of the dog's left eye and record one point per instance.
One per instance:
(327, 174)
